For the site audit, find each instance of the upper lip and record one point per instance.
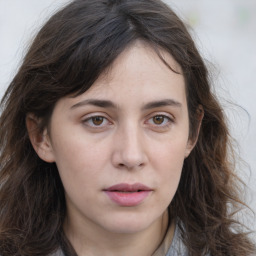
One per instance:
(128, 187)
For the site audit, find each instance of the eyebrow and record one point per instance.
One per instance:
(110, 104)
(95, 102)
(162, 103)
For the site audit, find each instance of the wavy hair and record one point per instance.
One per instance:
(66, 57)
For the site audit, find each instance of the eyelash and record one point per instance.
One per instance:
(89, 121)
(167, 121)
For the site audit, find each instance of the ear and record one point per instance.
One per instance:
(39, 139)
(192, 141)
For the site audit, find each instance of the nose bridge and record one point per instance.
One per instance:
(130, 151)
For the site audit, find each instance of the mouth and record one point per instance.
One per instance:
(128, 195)
(126, 188)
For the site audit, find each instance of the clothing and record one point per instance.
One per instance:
(171, 246)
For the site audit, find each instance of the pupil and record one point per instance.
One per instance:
(97, 120)
(158, 119)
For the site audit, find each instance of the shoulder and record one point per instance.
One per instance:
(177, 247)
(57, 253)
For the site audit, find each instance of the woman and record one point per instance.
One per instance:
(112, 142)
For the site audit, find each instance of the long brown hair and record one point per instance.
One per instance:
(69, 53)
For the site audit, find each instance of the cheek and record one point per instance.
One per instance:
(170, 154)
(168, 162)
(80, 161)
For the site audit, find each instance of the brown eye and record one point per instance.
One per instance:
(158, 119)
(97, 123)
(97, 120)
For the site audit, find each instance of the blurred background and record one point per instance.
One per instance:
(225, 33)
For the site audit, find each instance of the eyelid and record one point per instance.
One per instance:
(160, 113)
(168, 116)
(88, 117)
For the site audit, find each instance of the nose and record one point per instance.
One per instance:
(129, 149)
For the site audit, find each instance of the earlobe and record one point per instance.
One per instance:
(192, 141)
(189, 148)
(39, 139)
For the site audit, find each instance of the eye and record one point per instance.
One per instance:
(96, 121)
(160, 121)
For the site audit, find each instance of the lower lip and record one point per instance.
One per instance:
(126, 198)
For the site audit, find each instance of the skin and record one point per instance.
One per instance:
(126, 140)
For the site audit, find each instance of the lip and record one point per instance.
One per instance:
(128, 195)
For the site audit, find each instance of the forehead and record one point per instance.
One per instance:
(139, 68)
(138, 74)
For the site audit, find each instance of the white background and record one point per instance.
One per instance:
(225, 32)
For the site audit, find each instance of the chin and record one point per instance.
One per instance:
(128, 225)
(126, 229)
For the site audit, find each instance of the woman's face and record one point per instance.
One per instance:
(120, 146)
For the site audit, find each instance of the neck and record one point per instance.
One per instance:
(90, 241)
